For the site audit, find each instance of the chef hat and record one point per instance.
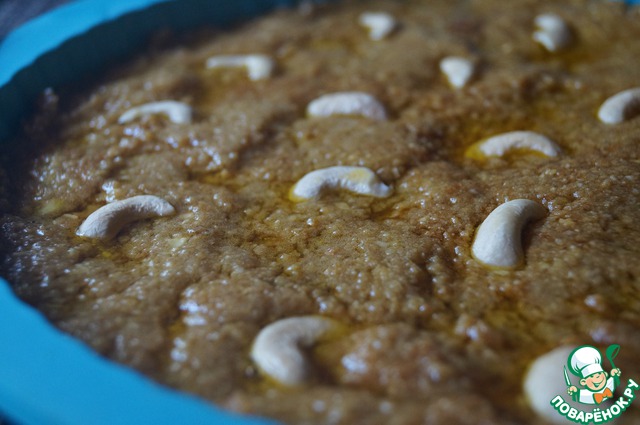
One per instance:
(585, 361)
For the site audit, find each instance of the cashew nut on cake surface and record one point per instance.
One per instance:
(360, 180)
(107, 221)
(277, 350)
(498, 241)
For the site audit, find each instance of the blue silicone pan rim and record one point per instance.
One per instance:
(47, 377)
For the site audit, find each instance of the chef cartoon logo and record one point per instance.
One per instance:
(586, 363)
(595, 386)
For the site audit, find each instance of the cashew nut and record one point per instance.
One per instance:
(277, 348)
(347, 103)
(620, 107)
(360, 180)
(515, 140)
(457, 70)
(107, 221)
(380, 24)
(498, 239)
(259, 67)
(177, 112)
(544, 381)
(553, 32)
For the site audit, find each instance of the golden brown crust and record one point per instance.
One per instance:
(434, 336)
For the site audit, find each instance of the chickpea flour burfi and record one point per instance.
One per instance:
(368, 212)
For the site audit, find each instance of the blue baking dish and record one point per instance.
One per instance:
(47, 377)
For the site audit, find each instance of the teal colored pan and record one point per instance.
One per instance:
(47, 377)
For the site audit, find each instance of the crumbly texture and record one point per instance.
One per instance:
(432, 335)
